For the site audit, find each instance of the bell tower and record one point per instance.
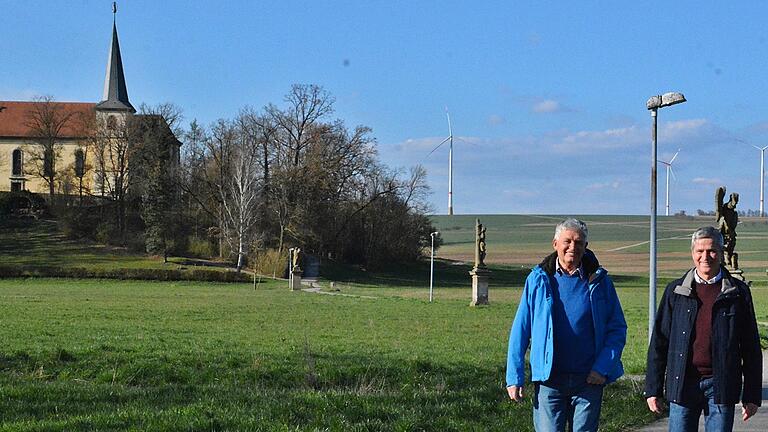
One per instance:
(114, 107)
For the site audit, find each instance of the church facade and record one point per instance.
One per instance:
(71, 147)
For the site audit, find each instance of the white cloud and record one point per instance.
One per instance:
(495, 120)
(547, 106)
(707, 181)
(587, 141)
(602, 186)
(681, 129)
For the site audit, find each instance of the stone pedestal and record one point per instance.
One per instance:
(296, 279)
(733, 268)
(739, 274)
(480, 276)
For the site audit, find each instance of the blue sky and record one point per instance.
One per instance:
(548, 98)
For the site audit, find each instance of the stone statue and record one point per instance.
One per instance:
(727, 219)
(296, 258)
(480, 273)
(480, 249)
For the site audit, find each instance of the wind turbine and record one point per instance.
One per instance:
(762, 176)
(449, 140)
(669, 169)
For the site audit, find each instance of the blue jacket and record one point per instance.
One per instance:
(533, 324)
(735, 344)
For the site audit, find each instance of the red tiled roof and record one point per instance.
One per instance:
(14, 117)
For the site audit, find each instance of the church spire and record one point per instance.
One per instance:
(115, 91)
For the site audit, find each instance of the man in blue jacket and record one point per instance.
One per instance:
(570, 315)
(705, 340)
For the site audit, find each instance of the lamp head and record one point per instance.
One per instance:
(665, 100)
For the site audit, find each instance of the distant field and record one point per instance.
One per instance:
(620, 242)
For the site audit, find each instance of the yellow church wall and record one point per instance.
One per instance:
(66, 180)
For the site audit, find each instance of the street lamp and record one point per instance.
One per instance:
(762, 177)
(432, 264)
(290, 270)
(653, 105)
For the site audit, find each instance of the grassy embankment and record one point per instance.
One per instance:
(38, 249)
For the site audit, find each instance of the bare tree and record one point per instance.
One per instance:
(109, 142)
(240, 190)
(46, 122)
(306, 106)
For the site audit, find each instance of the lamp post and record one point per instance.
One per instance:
(290, 269)
(653, 104)
(762, 177)
(432, 264)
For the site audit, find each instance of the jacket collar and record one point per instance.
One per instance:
(685, 288)
(589, 264)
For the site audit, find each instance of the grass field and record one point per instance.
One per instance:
(111, 355)
(131, 355)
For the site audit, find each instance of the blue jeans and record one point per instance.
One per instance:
(567, 399)
(718, 418)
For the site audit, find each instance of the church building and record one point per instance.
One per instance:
(70, 147)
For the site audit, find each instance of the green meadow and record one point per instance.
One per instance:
(121, 355)
(371, 353)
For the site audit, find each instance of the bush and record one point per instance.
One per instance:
(200, 248)
(126, 274)
(79, 222)
(24, 203)
(105, 232)
(270, 262)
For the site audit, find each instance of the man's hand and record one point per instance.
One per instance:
(748, 410)
(595, 378)
(655, 405)
(515, 393)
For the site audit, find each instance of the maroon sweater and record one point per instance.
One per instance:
(702, 340)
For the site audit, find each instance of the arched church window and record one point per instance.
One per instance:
(18, 159)
(79, 163)
(48, 164)
(111, 123)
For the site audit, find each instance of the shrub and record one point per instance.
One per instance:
(127, 274)
(21, 204)
(270, 262)
(200, 248)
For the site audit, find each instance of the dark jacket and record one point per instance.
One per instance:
(735, 343)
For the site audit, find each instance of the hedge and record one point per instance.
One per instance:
(23, 271)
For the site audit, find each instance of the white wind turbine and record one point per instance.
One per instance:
(669, 170)
(449, 140)
(762, 177)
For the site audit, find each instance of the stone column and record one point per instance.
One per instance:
(480, 276)
(296, 279)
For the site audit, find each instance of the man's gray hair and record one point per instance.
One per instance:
(572, 224)
(708, 232)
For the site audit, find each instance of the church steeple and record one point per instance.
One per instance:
(115, 91)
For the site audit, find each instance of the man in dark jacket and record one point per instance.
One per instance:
(704, 341)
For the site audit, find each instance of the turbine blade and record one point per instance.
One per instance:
(674, 157)
(450, 131)
(672, 171)
(438, 146)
